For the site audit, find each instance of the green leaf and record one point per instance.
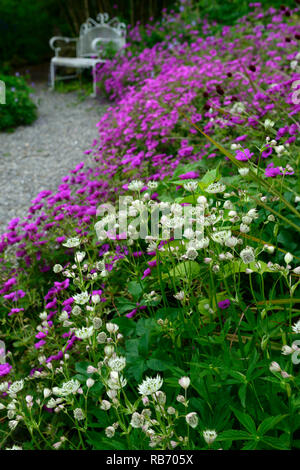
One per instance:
(246, 421)
(269, 423)
(275, 442)
(158, 364)
(234, 435)
(135, 289)
(240, 267)
(185, 270)
(242, 394)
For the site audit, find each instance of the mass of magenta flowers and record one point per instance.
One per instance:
(198, 104)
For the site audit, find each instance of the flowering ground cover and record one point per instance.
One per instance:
(168, 318)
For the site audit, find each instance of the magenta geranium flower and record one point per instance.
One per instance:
(271, 171)
(224, 304)
(5, 369)
(243, 155)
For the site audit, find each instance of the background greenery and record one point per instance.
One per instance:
(27, 25)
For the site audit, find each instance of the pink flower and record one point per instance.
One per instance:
(5, 369)
(189, 175)
(243, 155)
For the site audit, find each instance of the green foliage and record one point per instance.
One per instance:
(19, 109)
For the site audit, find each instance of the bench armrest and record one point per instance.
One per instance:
(60, 38)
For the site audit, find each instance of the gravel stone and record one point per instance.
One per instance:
(35, 158)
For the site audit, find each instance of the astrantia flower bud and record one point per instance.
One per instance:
(192, 419)
(286, 350)
(184, 382)
(112, 327)
(274, 367)
(109, 350)
(288, 258)
(102, 337)
(137, 420)
(269, 249)
(243, 171)
(90, 382)
(57, 268)
(171, 410)
(97, 323)
(96, 299)
(105, 405)
(209, 436)
(110, 431)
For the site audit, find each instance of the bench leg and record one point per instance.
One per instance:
(52, 76)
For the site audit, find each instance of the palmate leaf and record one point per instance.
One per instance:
(269, 423)
(246, 421)
(234, 435)
(185, 270)
(239, 267)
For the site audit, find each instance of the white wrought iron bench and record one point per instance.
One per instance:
(93, 40)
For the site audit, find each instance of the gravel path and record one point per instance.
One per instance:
(36, 157)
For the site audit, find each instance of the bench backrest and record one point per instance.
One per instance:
(110, 30)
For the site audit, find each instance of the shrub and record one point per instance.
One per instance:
(19, 108)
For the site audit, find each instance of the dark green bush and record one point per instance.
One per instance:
(19, 108)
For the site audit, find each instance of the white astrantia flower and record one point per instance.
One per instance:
(57, 268)
(247, 255)
(150, 385)
(287, 350)
(268, 124)
(13, 424)
(3, 387)
(231, 242)
(180, 295)
(296, 327)
(79, 256)
(85, 332)
(136, 185)
(78, 414)
(243, 171)
(152, 184)
(52, 402)
(209, 436)
(244, 228)
(68, 388)
(76, 310)
(72, 242)
(137, 420)
(116, 381)
(63, 316)
(253, 213)
(191, 186)
(191, 253)
(15, 387)
(192, 419)
(81, 298)
(117, 363)
(215, 188)
(112, 327)
(221, 237)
